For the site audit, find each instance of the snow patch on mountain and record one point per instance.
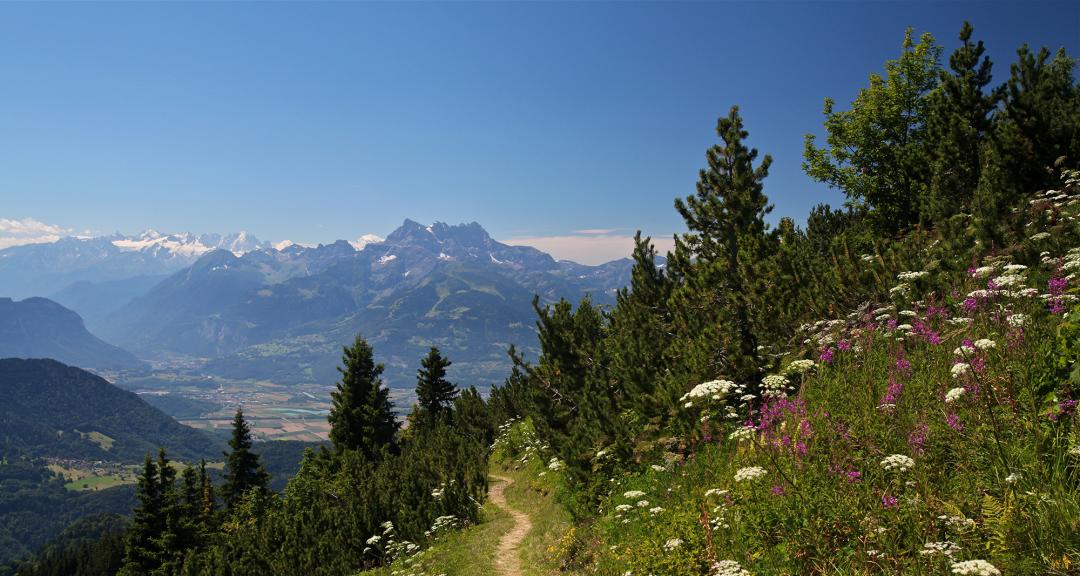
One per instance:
(363, 241)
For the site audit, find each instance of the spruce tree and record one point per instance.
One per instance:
(434, 393)
(243, 472)
(361, 416)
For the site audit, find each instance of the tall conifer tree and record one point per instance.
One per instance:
(434, 393)
(243, 472)
(361, 416)
(727, 239)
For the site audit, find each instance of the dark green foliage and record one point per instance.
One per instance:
(91, 546)
(243, 472)
(434, 393)
(959, 125)
(878, 152)
(362, 417)
(35, 507)
(720, 259)
(49, 410)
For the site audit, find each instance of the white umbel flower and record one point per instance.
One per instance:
(1017, 320)
(975, 568)
(954, 394)
(898, 462)
(749, 473)
(985, 344)
(960, 369)
(728, 568)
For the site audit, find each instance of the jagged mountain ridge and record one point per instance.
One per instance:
(284, 314)
(48, 268)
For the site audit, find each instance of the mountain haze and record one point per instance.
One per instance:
(41, 328)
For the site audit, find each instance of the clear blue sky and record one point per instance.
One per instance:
(322, 121)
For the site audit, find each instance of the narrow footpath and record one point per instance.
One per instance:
(507, 557)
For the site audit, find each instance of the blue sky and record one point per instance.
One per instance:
(314, 122)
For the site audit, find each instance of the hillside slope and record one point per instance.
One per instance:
(53, 410)
(41, 328)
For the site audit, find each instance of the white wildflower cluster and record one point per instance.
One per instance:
(799, 367)
(1014, 478)
(774, 386)
(985, 344)
(983, 272)
(438, 492)
(631, 494)
(658, 468)
(442, 524)
(1074, 450)
(394, 548)
(960, 321)
(944, 548)
(957, 523)
(867, 257)
(623, 508)
(1071, 261)
(898, 462)
(902, 289)
(964, 350)
(959, 369)
(672, 544)
(728, 568)
(1039, 236)
(715, 492)
(749, 473)
(1014, 268)
(975, 568)
(714, 390)
(642, 504)
(1008, 281)
(555, 464)
(655, 510)
(742, 433)
(954, 394)
(1017, 320)
(909, 276)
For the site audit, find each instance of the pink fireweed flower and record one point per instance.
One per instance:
(778, 490)
(970, 304)
(844, 345)
(954, 422)
(888, 502)
(826, 356)
(1064, 408)
(917, 439)
(853, 476)
(978, 364)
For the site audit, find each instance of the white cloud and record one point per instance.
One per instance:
(28, 231)
(589, 246)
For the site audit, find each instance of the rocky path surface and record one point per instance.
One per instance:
(507, 557)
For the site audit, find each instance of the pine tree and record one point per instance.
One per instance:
(243, 472)
(434, 393)
(361, 417)
(959, 124)
(148, 522)
(727, 240)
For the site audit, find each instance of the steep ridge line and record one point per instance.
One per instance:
(507, 559)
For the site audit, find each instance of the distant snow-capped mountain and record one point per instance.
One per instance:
(46, 268)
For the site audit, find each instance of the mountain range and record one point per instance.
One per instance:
(245, 309)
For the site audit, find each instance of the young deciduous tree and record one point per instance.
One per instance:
(877, 152)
